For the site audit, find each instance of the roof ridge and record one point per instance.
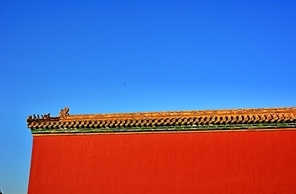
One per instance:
(164, 119)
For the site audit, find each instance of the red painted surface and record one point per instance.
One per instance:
(191, 162)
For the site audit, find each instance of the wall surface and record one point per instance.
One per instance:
(188, 162)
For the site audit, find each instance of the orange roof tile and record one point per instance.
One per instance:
(274, 117)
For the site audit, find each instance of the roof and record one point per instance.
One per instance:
(162, 121)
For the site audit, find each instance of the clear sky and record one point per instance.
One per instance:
(134, 56)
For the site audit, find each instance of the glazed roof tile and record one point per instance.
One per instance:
(237, 118)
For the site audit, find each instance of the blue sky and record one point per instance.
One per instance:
(133, 56)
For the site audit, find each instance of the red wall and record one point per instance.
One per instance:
(188, 162)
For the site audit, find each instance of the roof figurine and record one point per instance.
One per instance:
(162, 121)
(64, 112)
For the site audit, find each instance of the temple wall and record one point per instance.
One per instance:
(176, 162)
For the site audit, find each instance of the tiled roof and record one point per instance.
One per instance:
(151, 121)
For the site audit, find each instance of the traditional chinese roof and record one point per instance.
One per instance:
(163, 121)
